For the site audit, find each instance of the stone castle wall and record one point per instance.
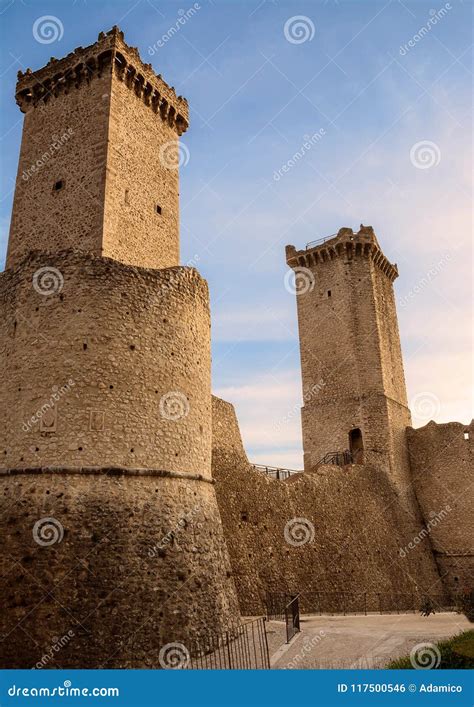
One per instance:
(133, 562)
(129, 351)
(442, 462)
(106, 442)
(356, 548)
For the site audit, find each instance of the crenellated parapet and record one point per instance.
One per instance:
(109, 53)
(345, 244)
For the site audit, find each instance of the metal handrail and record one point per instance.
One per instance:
(276, 471)
(319, 241)
(338, 458)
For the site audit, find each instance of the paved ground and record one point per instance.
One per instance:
(359, 641)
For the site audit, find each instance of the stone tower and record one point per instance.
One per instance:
(109, 522)
(98, 172)
(353, 382)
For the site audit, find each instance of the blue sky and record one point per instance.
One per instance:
(377, 79)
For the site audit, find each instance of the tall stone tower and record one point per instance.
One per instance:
(108, 516)
(353, 382)
(98, 172)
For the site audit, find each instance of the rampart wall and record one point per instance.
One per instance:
(442, 462)
(360, 526)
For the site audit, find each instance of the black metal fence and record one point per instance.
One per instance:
(275, 472)
(372, 602)
(292, 618)
(242, 647)
(284, 607)
(337, 458)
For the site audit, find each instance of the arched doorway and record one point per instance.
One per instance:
(356, 446)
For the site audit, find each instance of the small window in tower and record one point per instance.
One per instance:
(127, 200)
(244, 516)
(58, 185)
(466, 435)
(329, 293)
(158, 209)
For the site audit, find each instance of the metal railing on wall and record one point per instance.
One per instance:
(337, 458)
(319, 241)
(347, 603)
(275, 472)
(242, 647)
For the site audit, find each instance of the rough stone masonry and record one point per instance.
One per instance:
(130, 514)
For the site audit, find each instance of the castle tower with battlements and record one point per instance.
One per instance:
(109, 521)
(98, 171)
(353, 382)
